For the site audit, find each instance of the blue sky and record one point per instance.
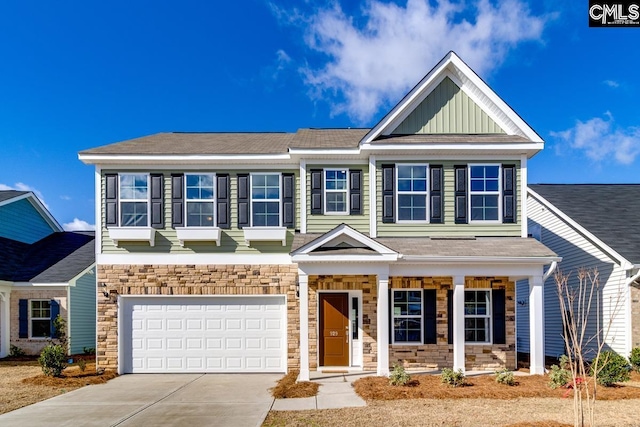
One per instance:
(77, 75)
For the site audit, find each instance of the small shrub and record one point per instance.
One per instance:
(634, 358)
(15, 351)
(611, 368)
(505, 377)
(60, 326)
(82, 364)
(53, 360)
(560, 376)
(399, 376)
(453, 378)
(88, 351)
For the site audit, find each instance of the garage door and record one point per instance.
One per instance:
(203, 334)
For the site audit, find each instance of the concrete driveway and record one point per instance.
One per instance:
(156, 400)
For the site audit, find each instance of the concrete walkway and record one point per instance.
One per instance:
(336, 391)
(156, 400)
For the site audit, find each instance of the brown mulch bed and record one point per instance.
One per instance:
(288, 388)
(484, 386)
(72, 376)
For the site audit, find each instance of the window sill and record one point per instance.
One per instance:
(198, 234)
(132, 234)
(265, 234)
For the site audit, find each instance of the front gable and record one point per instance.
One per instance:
(25, 219)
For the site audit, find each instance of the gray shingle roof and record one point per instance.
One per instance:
(10, 194)
(509, 247)
(609, 211)
(328, 138)
(57, 258)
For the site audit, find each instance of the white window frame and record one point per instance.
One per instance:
(345, 191)
(406, 316)
(488, 315)
(212, 201)
(121, 200)
(252, 200)
(412, 193)
(31, 318)
(485, 193)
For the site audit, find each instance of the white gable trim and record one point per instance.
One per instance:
(453, 67)
(622, 261)
(37, 204)
(335, 234)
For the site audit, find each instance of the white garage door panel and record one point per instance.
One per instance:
(210, 334)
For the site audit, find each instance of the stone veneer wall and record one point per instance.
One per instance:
(368, 285)
(32, 346)
(635, 315)
(437, 356)
(207, 280)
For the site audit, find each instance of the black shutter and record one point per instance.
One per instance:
(316, 191)
(177, 200)
(244, 210)
(355, 191)
(23, 318)
(388, 193)
(111, 200)
(55, 311)
(288, 200)
(429, 313)
(223, 201)
(498, 299)
(390, 316)
(509, 194)
(461, 194)
(450, 315)
(157, 200)
(435, 195)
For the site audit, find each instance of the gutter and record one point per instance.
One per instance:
(550, 271)
(632, 279)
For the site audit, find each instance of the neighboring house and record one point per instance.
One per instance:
(590, 226)
(44, 271)
(348, 249)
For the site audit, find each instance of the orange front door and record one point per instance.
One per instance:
(334, 329)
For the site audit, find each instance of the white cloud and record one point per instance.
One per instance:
(65, 197)
(20, 186)
(374, 59)
(611, 83)
(78, 225)
(601, 140)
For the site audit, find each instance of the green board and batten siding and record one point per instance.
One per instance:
(82, 313)
(21, 221)
(449, 228)
(232, 239)
(324, 223)
(447, 109)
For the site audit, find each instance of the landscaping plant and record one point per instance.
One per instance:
(506, 377)
(634, 358)
(15, 351)
(559, 375)
(53, 359)
(453, 378)
(399, 375)
(614, 368)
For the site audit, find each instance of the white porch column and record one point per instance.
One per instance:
(303, 281)
(303, 198)
(5, 298)
(383, 325)
(536, 325)
(458, 323)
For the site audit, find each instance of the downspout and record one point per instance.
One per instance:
(628, 308)
(550, 271)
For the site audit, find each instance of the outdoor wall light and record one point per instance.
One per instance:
(297, 289)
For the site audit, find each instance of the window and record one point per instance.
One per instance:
(407, 316)
(265, 200)
(335, 196)
(484, 191)
(40, 318)
(477, 316)
(199, 200)
(134, 200)
(412, 192)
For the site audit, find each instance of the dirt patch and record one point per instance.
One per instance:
(23, 383)
(484, 386)
(288, 388)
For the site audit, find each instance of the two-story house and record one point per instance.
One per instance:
(347, 249)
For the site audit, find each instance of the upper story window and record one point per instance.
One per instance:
(265, 199)
(134, 200)
(484, 192)
(477, 316)
(336, 191)
(412, 192)
(199, 200)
